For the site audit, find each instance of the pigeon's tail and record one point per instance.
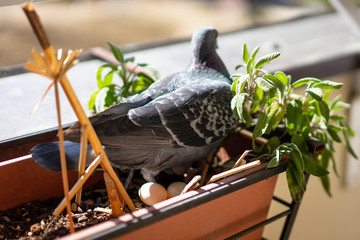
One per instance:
(47, 155)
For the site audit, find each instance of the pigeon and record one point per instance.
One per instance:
(176, 122)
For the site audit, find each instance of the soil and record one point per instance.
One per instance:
(35, 220)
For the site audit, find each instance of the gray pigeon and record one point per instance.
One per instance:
(177, 121)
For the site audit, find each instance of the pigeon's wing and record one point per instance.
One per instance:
(123, 133)
(115, 113)
(194, 115)
(119, 132)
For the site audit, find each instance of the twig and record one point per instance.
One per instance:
(194, 183)
(91, 168)
(38, 29)
(241, 158)
(82, 160)
(206, 168)
(115, 202)
(128, 179)
(63, 161)
(234, 171)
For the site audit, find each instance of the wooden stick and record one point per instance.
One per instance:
(38, 29)
(63, 161)
(241, 158)
(91, 168)
(82, 160)
(113, 196)
(234, 171)
(192, 184)
(206, 168)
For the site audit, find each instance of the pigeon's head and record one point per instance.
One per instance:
(204, 47)
(204, 39)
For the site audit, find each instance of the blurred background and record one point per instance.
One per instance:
(90, 23)
(93, 22)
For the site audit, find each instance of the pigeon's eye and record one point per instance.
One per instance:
(216, 35)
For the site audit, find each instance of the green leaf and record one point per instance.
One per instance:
(275, 114)
(282, 76)
(100, 83)
(260, 126)
(237, 103)
(305, 126)
(277, 82)
(233, 85)
(333, 134)
(326, 96)
(338, 118)
(241, 81)
(324, 157)
(249, 67)
(326, 184)
(246, 55)
(91, 103)
(142, 83)
(312, 167)
(347, 143)
(265, 85)
(285, 148)
(349, 130)
(294, 115)
(300, 143)
(270, 146)
(152, 70)
(316, 93)
(129, 59)
(116, 52)
(273, 143)
(294, 188)
(266, 59)
(254, 52)
(327, 84)
(100, 99)
(274, 162)
(297, 157)
(240, 66)
(234, 102)
(325, 111)
(335, 101)
(303, 81)
(299, 176)
(108, 79)
(340, 105)
(258, 98)
(247, 117)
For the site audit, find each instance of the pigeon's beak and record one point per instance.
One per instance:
(216, 35)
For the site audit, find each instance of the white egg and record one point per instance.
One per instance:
(175, 188)
(151, 193)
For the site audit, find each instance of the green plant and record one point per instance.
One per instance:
(134, 79)
(270, 98)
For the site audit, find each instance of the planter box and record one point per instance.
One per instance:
(214, 211)
(23, 181)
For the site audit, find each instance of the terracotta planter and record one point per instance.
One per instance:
(23, 181)
(215, 211)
